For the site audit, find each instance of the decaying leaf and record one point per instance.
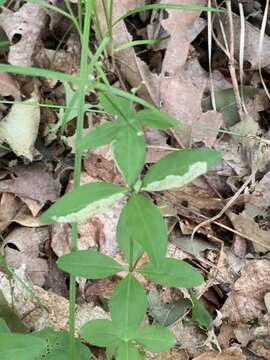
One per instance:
(247, 226)
(178, 95)
(9, 86)
(252, 39)
(54, 312)
(23, 29)
(246, 299)
(134, 69)
(34, 182)
(26, 246)
(19, 129)
(233, 353)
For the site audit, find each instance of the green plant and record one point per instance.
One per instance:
(141, 227)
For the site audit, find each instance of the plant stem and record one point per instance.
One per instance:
(77, 170)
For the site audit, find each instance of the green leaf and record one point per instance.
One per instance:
(102, 135)
(85, 201)
(3, 327)
(174, 273)
(156, 119)
(128, 306)
(127, 351)
(116, 106)
(200, 314)
(129, 153)
(100, 333)
(90, 264)
(179, 168)
(125, 241)
(13, 321)
(155, 338)
(20, 347)
(166, 314)
(57, 346)
(147, 227)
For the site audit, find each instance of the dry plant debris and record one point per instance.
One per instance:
(37, 166)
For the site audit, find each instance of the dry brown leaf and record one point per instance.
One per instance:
(135, 70)
(9, 207)
(178, 95)
(9, 86)
(252, 39)
(260, 198)
(23, 29)
(247, 226)
(24, 246)
(245, 301)
(34, 316)
(233, 353)
(261, 347)
(172, 355)
(33, 181)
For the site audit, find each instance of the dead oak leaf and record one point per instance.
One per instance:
(233, 353)
(23, 28)
(33, 181)
(245, 301)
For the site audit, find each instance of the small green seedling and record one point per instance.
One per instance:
(141, 228)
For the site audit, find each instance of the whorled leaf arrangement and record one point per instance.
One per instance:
(141, 228)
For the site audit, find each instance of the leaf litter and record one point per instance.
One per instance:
(231, 251)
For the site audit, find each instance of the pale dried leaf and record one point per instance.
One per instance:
(33, 181)
(252, 39)
(245, 301)
(24, 246)
(36, 317)
(233, 353)
(23, 29)
(133, 69)
(19, 129)
(247, 226)
(9, 86)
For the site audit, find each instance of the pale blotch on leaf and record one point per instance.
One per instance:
(176, 181)
(95, 208)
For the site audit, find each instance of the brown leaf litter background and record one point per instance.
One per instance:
(231, 250)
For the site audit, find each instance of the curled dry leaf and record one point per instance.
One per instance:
(233, 353)
(9, 86)
(134, 69)
(247, 226)
(19, 129)
(34, 182)
(36, 317)
(24, 246)
(252, 39)
(245, 301)
(23, 29)
(178, 95)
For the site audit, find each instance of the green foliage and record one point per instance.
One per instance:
(174, 273)
(179, 168)
(129, 296)
(141, 228)
(83, 202)
(90, 264)
(20, 347)
(57, 346)
(200, 314)
(155, 338)
(147, 227)
(127, 351)
(129, 153)
(100, 333)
